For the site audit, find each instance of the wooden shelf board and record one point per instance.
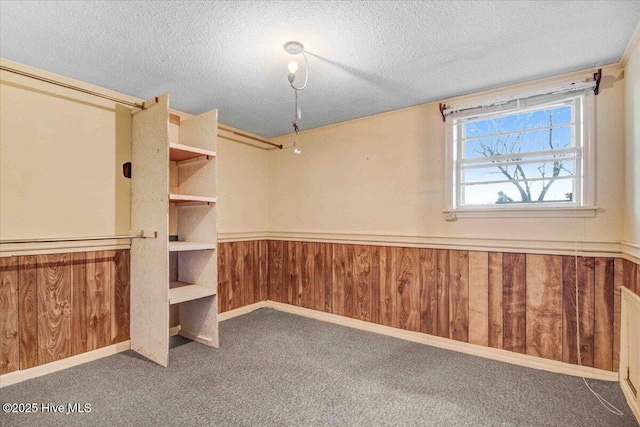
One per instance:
(186, 198)
(181, 152)
(190, 246)
(181, 292)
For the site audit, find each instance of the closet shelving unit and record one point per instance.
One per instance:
(191, 282)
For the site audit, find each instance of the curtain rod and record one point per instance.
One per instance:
(235, 132)
(68, 86)
(121, 101)
(228, 138)
(447, 110)
(71, 239)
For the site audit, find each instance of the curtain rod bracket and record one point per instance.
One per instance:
(597, 77)
(442, 108)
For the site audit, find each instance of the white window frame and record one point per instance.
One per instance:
(584, 204)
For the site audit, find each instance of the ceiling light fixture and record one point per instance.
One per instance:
(296, 48)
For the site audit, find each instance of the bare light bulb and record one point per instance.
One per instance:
(293, 67)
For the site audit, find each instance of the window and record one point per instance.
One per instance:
(522, 157)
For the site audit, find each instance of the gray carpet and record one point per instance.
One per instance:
(279, 369)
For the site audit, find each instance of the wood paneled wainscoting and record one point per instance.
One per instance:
(242, 274)
(61, 305)
(523, 303)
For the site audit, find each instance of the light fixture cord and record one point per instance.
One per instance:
(604, 402)
(295, 114)
(296, 89)
(306, 74)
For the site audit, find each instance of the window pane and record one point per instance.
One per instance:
(560, 190)
(518, 142)
(530, 155)
(552, 116)
(524, 172)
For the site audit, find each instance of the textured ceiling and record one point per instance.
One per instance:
(365, 57)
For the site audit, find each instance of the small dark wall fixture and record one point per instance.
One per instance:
(126, 170)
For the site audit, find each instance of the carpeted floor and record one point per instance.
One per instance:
(279, 369)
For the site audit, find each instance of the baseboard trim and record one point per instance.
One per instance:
(174, 331)
(242, 310)
(445, 343)
(37, 371)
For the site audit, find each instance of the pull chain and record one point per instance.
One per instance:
(296, 115)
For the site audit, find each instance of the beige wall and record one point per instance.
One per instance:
(632, 148)
(242, 189)
(378, 176)
(60, 162)
(61, 154)
(384, 175)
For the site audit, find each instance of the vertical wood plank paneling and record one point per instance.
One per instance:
(69, 304)
(362, 282)
(320, 269)
(263, 257)
(241, 292)
(224, 276)
(388, 292)
(514, 300)
(510, 301)
(259, 262)
(569, 325)
(586, 285)
(9, 340)
(407, 274)
(254, 278)
(338, 272)
(631, 273)
(28, 311)
(443, 292)
(276, 270)
(479, 298)
(54, 307)
(98, 299)
(586, 280)
(603, 331)
(236, 261)
(349, 281)
(248, 287)
(120, 308)
(495, 300)
(79, 318)
(293, 275)
(636, 280)
(374, 277)
(544, 306)
(618, 281)
(284, 291)
(245, 257)
(428, 291)
(459, 295)
(308, 277)
(328, 278)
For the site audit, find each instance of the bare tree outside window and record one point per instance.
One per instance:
(520, 158)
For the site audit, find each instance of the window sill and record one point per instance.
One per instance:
(522, 212)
